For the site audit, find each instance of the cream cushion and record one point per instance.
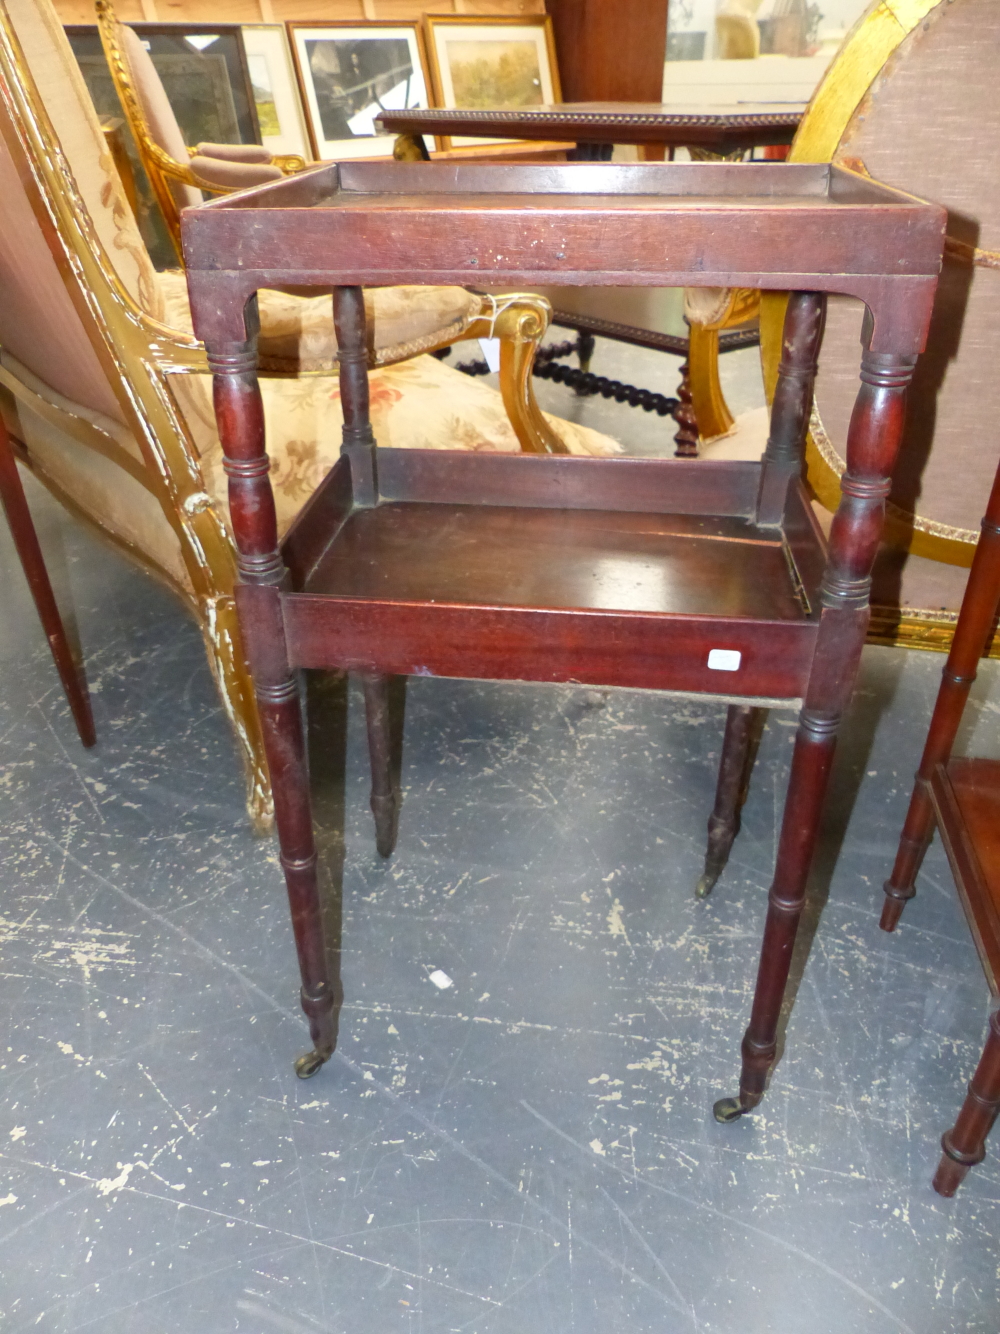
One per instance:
(297, 332)
(417, 404)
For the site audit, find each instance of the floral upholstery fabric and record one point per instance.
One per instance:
(418, 404)
(297, 332)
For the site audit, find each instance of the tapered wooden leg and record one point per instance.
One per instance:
(739, 745)
(240, 416)
(22, 530)
(385, 800)
(873, 441)
(965, 1144)
(972, 634)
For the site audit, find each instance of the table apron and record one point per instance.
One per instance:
(653, 652)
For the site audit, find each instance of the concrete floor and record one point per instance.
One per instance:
(528, 1150)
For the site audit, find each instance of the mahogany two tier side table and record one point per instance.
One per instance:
(672, 574)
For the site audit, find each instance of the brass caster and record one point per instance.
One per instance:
(728, 1109)
(307, 1065)
(705, 885)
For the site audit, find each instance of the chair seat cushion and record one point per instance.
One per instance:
(419, 404)
(297, 332)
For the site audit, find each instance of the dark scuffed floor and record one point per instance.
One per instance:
(529, 1150)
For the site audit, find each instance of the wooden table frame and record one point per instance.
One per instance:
(961, 797)
(804, 229)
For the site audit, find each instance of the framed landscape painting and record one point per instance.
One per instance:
(348, 73)
(491, 62)
(275, 89)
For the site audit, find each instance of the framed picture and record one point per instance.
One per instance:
(491, 62)
(276, 96)
(348, 73)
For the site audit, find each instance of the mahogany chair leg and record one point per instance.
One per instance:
(965, 1144)
(972, 636)
(739, 747)
(385, 799)
(22, 530)
(872, 444)
(240, 416)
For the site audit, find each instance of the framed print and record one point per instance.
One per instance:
(348, 73)
(280, 114)
(203, 70)
(491, 62)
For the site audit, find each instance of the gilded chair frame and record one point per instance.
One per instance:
(159, 166)
(874, 38)
(139, 355)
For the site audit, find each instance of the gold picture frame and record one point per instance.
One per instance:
(501, 77)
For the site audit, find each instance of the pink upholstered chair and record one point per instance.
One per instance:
(105, 390)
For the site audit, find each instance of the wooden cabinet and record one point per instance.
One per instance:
(610, 50)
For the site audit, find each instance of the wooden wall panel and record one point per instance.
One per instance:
(302, 11)
(278, 11)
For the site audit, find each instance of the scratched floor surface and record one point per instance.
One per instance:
(528, 1150)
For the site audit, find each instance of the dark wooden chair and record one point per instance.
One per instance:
(22, 530)
(704, 576)
(962, 797)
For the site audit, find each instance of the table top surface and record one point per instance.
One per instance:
(601, 122)
(800, 227)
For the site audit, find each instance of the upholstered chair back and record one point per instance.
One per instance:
(39, 325)
(159, 113)
(929, 124)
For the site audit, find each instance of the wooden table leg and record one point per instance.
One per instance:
(872, 443)
(384, 798)
(972, 635)
(22, 530)
(240, 415)
(739, 746)
(965, 1144)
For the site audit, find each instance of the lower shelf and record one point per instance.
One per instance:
(966, 797)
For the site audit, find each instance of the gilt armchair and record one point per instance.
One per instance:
(104, 389)
(177, 174)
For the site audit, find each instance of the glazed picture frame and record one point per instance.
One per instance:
(278, 99)
(347, 73)
(491, 61)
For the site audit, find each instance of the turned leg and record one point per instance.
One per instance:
(743, 726)
(873, 440)
(22, 530)
(240, 416)
(965, 1144)
(972, 634)
(385, 799)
